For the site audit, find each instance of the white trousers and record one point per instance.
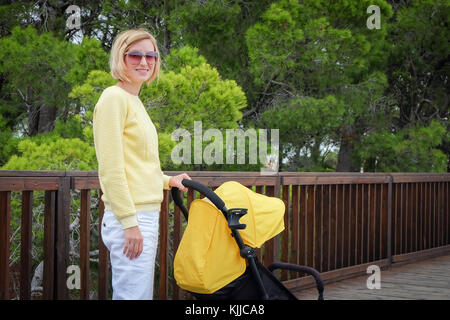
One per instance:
(132, 279)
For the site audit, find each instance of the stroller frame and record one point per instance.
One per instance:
(259, 272)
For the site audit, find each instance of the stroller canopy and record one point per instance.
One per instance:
(208, 257)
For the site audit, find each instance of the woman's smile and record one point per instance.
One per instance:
(143, 71)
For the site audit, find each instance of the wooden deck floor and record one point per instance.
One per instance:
(424, 280)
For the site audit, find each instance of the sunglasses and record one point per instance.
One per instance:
(135, 57)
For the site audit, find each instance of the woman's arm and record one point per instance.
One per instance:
(108, 126)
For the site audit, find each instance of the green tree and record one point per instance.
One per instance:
(34, 67)
(318, 53)
(218, 30)
(51, 152)
(7, 141)
(412, 149)
(419, 66)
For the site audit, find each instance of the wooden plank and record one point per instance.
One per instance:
(177, 234)
(419, 177)
(31, 173)
(346, 221)
(103, 257)
(287, 231)
(310, 209)
(430, 216)
(365, 224)
(358, 224)
(372, 225)
(5, 219)
(81, 183)
(259, 251)
(335, 179)
(435, 215)
(332, 228)
(49, 245)
(397, 220)
(318, 228)
(269, 246)
(339, 226)
(352, 226)
(415, 222)
(27, 183)
(25, 245)
(403, 217)
(62, 238)
(447, 213)
(298, 240)
(421, 255)
(425, 216)
(325, 266)
(429, 220)
(441, 205)
(85, 213)
(383, 221)
(419, 216)
(409, 220)
(378, 216)
(164, 248)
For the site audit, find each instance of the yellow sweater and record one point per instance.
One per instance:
(126, 144)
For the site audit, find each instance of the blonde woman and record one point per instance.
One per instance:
(126, 144)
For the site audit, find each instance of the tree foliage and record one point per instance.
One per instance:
(338, 91)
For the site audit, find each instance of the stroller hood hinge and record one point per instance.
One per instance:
(233, 217)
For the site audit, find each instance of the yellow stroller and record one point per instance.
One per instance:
(217, 259)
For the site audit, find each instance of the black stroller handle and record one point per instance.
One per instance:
(207, 192)
(178, 200)
(304, 269)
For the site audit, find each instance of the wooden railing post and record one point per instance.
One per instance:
(25, 245)
(103, 258)
(389, 222)
(49, 244)
(62, 238)
(5, 217)
(85, 213)
(164, 248)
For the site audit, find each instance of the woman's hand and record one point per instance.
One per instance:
(134, 243)
(175, 181)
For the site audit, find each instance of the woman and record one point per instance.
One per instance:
(126, 144)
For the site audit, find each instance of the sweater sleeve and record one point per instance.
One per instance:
(108, 126)
(166, 182)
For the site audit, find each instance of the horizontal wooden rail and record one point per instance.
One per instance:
(338, 223)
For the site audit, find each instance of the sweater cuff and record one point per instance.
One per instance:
(166, 182)
(128, 222)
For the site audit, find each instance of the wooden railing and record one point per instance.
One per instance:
(338, 223)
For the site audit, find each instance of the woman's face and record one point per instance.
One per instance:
(140, 68)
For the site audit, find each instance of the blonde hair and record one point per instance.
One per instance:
(120, 46)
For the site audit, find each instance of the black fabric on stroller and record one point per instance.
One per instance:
(257, 282)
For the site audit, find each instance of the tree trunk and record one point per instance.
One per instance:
(33, 120)
(47, 117)
(346, 162)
